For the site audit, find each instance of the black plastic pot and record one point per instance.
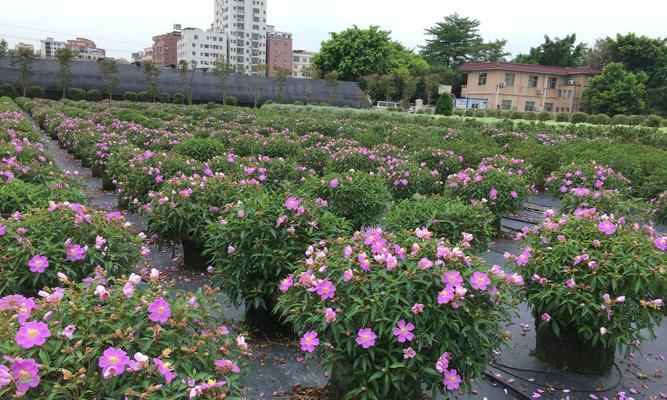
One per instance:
(569, 352)
(192, 254)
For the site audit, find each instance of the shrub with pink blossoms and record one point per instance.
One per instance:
(590, 175)
(406, 313)
(610, 201)
(91, 340)
(65, 237)
(590, 271)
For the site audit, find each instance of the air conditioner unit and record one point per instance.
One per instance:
(570, 82)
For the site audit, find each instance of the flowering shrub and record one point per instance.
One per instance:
(406, 180)
(358, 197)
(444, 217)
(21, 196)
(660, 205)
(501, 190)
(393, 315)
(600, 276)
(202, 149)
(67, 238)
(609, 201)
(585, 175)
(257, 241)
(117, 338)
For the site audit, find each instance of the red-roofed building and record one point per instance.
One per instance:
(526, 87)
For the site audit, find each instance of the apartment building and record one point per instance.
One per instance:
(524, 87)
(278, 52)
(301, 63)
(244, 23)
(85, 49)
(165, 47)
(204, 47)
(50, 46)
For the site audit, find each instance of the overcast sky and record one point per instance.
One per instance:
(124, 26)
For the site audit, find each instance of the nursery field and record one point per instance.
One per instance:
(156, 251)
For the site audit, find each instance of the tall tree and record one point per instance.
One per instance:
(24, 57)
(65, 57)
(456, 40)
(282, 74)
(3, 47)
(409, 89)
(355, 53)
(258, 70)
(222, 69)
(109, 71)
(152, 72)
(186, 70)
(616, 91)
(431, 84)
(556, 53)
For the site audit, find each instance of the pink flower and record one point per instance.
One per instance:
(330, 315)
(423, 233)
(425, 263)
(480, 281)
(409, 353)
(113, 362)
(603, 331)
(660, 243)
(164, 368)
(493, 194)
(309, 341)
(75, 252)
(227, 366)
(5, 376)
(286, 283)
(128, 290)
(281, 220)
(443, 362)
(68, 332)
(348, 275)
(334, 183)
(403, 331)
(570, 283)
(326, 290)
(366, 337)
(26, 374)
(32, 334)
(292, 203)
(99, 242)
(524, 257)
(3, 230)
(607, 227)
(451, 380)
(546, 317)
(160, 311)
(231, 250)
(417, 308)
(446, 294)
(452, 278)
(38, 264)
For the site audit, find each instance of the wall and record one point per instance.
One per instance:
(206, 86)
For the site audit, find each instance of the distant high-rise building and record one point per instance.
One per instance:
(165, 47)
(278, 52)
(204, 47)
(244, 23)
(301, 62)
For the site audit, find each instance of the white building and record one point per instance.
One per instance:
(244, 22)
(50, 46)
(302, 60)
(204, 47)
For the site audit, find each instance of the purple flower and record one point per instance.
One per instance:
(32, 334)
(452, 278)
(326, 290)
(607, 227)
(113, 362)
(451, 379)
(334, 183)
(164, 368)
(570, 283)
(660, 243)
(425, 263)
(409, 353)
(68, 332)
(546, 317)
(443, 362)
(75, 252)
(159, 310)
(417, 308)
(309, 341)
(403, 331)
(26, 374)
(286, 283)
(38, 264)
(227, 365)
(3, 230)
(446, 294)
(292, 203)
(480, 281)
(330, 315)
(366, 337)
(231, 250)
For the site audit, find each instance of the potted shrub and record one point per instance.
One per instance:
(392, 316)
(589, 175)
(115, 338)
(594, 282)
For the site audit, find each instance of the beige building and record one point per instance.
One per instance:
(524, 87)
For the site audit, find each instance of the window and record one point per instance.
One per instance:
(569, 93)
(507, 104)
(509, 79)
(481, 81)
(548, 107)
(530, 106)
(532, 81)
(560, 93)
(551, 82)
(474, 105)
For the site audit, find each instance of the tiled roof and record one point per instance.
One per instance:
(544, 69)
